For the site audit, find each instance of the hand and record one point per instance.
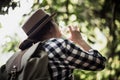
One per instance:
(75, 34)
(77, 38)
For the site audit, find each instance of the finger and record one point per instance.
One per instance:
(70, 28)
(76, 28)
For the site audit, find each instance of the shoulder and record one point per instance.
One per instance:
(57, 40)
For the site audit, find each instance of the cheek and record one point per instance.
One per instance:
(57, 30)
(59, 33)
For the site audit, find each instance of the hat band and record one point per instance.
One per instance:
(37, 24)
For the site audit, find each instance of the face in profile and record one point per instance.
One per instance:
(56, 30)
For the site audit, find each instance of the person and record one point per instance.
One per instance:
(64, 54)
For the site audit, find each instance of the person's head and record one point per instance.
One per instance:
(49, 30)
(40, 26)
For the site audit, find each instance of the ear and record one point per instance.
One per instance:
(52, 29)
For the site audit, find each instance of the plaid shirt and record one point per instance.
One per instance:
(64, 56)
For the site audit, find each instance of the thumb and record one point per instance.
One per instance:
(70, 29)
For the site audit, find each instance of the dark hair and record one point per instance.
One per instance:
(38, 37)
(45, 30)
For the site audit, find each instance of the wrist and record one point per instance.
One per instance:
(83, 44)
(77, 40)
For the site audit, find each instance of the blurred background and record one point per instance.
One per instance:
(98, 20)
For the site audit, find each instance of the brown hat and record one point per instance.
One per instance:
(36, 22)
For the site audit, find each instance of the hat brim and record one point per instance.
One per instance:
(32, 34)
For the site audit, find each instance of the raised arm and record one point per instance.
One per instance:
(77, 38)
(87, 59)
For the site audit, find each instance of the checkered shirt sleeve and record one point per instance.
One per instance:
(64, 56)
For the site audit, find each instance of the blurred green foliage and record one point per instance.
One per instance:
(99, 20)
(11, 44)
